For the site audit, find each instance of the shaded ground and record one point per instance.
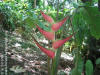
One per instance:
(30, 59)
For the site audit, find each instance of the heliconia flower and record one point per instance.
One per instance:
(48, 35)
(57, 25)
(59, 43)
(49, 53)
(46, 17)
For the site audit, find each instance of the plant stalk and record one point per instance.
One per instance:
(55, 64)
(49, 67)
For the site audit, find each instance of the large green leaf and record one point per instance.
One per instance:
(89, 67)
(93, 18)
(79, 26)
(78, 65)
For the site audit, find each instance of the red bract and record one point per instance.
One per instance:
(49, 53)
(56, 26)
(46, 17)
(59, 43)
(48, 35)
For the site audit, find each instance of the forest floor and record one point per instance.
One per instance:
(37, 63)
(24, 58)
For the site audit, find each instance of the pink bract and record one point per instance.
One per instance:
(59, 43)
(57, 25)
(48, 35)
(49, 53)
(46, 17)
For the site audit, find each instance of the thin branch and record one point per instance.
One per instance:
(57, 9)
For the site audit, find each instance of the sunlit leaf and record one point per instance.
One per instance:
(17, 69)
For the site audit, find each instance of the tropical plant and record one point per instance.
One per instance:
(53, 53)
(24, 17)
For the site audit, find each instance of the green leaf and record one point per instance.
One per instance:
(75, 72)
(89, 67)
(78, 65)
(56, 62)
(79, 26)
(43, 26)
(75, 5)
(93, 18)
(29, 21)
(98, 61)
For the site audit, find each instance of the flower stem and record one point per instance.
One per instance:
(55, 64)
(49, 67)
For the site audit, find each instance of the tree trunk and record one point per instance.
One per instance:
(99, 5)
(34, 3)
